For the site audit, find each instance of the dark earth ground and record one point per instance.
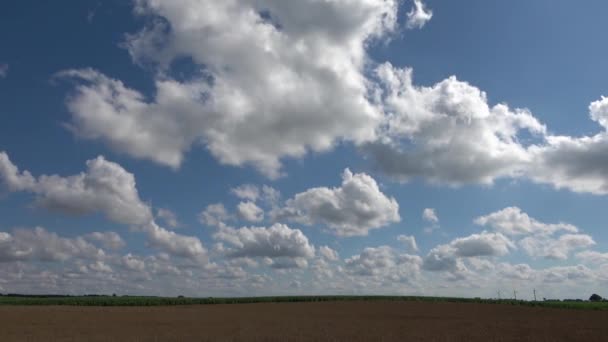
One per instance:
(323, 321)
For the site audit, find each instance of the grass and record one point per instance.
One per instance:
(160, 301)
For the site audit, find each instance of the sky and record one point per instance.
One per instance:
(263, 147)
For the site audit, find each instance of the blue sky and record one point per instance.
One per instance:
(488, 115)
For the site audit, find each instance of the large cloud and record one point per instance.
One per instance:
(384, 264)
(537, 239)
(302, 82)
(555, 248)
(448, 257)
(38, 244)
(308, 84)
(250, 212)
(354, 208)
(484, 244)
(285, 246)
(513, 221)
(447, 133)
(575, 163)
(105, 188)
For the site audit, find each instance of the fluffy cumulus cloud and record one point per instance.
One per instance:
(447, 133)
(38, 244)
(247, 192)
(302, 82)
(104, 187)
(537, 239)
(328, 253)
(353, 209)
(555, 248)
(418, 16)
(409, 242)
(449, 257)
(593, 257)
(250, 212)
(107, 188)
(430, 216)
(575, 163)
(168, 217)
(484, 244)
(109, 240)
(513, 221)
(284, 246)
(384, 263)
(214, 215)
(309, 84)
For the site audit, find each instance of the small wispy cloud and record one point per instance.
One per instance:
(418, 16)
(3, 70)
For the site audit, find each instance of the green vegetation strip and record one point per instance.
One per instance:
(159, 301)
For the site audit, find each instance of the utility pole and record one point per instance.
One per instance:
(515, 294)
(499, 295)
(535, 295)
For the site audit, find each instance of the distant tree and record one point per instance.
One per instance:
(595, 298)
(113, 294)
(180, 296)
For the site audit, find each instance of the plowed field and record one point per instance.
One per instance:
(325, 321)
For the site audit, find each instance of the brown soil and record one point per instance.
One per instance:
(331, 321)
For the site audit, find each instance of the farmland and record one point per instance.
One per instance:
(297, 319)
(101, 300)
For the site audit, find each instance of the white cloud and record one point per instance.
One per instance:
(442, 258)
(109, 240)
(418, 16)
(593, 257)
(538, 238)
(277, 242)
(562, 274)
(176, 244)
(214, 215)
(250, 212)
(38, 244)
(105, 188)
(448, 133)
(555, 248)
(247, 192)
(384, 262)
(519, 271)
(133, 263)
(512, 221)
(575, 163)
(168, 217)
(11, 178)
(302, 82)
(449, 257)
(328, 253)
(100, 267)
(306, 86)
(271, 195)
(484, 244)
(353, 209)
(429, 215)
(409, 242)
(599, 111)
